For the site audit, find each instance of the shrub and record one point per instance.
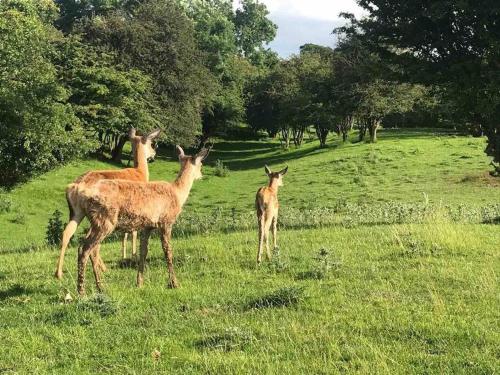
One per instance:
(55, 229)
(220, 169)
(5, 202)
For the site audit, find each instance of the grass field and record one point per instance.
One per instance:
(412, 296)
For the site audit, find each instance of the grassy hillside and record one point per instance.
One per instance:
(401, 167)
(344, 294)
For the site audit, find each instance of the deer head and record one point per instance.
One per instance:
(194, 163)
(278, 176)
(146, 141)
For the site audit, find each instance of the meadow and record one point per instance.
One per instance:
(388, 263)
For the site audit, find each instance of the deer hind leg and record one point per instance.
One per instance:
(124, 245)
(91, 247)
(169, 256)
(275, 231)
(69, 231)
(143, 253)
(261, 238)
(267, 227)
(134, 244)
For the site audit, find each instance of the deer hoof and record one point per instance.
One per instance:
(58, 275)
(173, 284)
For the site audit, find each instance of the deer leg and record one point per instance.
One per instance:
(143, 253)
(69, 231)
(261, 238)
(94, 258)
(91, 247)
(167, 249)
(124, 245)
(134, 244)
(275, 231)
(266, 236)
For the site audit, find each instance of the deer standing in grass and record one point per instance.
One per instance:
(143, 150)
(266, 203)
(129, 206)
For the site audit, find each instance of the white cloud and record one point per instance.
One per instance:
(327, 10)
(306, 21)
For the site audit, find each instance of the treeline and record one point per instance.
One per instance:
(75, 75)
(407, 63)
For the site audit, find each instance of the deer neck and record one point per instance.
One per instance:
(273, 185)
(140, 161)
(184, 183)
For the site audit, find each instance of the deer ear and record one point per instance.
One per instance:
(153, 134)
(180, 151)
(283, 171)
(268, 170)
(131, 132)
(202, 155)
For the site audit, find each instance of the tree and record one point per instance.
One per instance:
(450, 43)
(39, 130)
(253, 30)
(158, 39)
(107, 98)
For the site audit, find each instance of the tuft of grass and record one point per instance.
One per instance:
(230, 339)
(98, 303)
(283, 297)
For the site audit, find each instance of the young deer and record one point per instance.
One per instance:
(127, 205)
(266, 203)
(143, 150)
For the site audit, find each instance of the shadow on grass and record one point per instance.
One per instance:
(13, 291)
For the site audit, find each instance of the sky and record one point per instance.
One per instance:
(306, 21)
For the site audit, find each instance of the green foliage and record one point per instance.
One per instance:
(456, 46)
(39, 130)
(220, 169)
(253, 29)
(55, 228)
(5, 202)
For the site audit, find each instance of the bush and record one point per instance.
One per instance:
(220, 169)
(5, 202)
(55, 229)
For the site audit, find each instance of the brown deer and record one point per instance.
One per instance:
(127, 205)
(266, 204)
(143, 150)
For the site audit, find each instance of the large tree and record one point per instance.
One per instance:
(39, 130)
(455, 44)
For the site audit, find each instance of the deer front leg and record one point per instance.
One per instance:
(167, 249)
(143, 253)
(134, 244)
(261, 239)
(124, 246)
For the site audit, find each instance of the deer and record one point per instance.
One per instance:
(132, 205)
(266, 204)
(143, 150)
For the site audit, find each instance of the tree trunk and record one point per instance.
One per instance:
(372, 129)
(362, 130)
(285, 138)
(322, 134)
(298, 136)
(116, 153)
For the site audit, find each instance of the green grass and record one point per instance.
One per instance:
(399, 299)
(343, 293)
(401, 167)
